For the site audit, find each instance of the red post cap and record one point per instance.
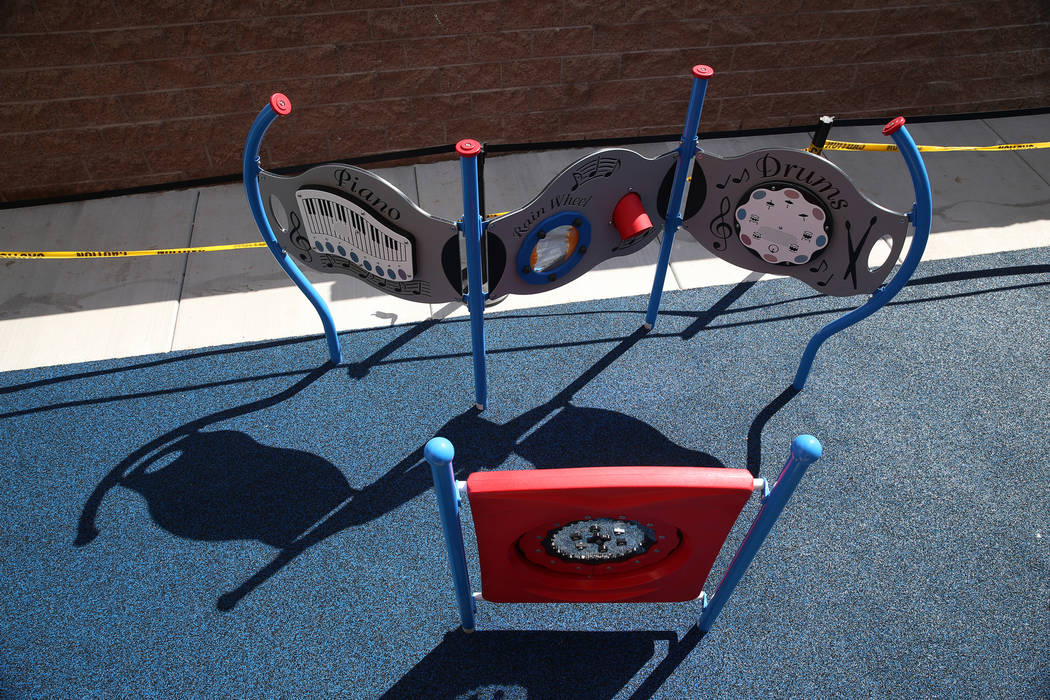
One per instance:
(703, 72)
(893, 126)
(468, 148)
(280, 103)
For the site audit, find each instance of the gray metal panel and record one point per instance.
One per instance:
(387, 206)
(591, 187)
(854, 224)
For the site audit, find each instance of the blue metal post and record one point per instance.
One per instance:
(439, 453)
(686, 152)
(921, 217)
(279, 104)
(805, 450)
(468, 151)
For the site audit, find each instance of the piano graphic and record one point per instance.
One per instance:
(337, 227)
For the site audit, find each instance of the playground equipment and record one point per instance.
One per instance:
(598, 534)
(778, 211)
(605, 534)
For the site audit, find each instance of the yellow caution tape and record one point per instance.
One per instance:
(849, 146)
(77, 254)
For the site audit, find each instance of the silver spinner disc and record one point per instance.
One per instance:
(599, 540)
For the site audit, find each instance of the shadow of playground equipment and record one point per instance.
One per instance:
(628, 441)
(510, 665)
(223, 485)
(186, 444)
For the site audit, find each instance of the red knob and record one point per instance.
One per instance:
(893, 126)
(468, 148)
(280, 103)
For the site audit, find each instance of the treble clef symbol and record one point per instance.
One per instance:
(721, 228)
(299, 240)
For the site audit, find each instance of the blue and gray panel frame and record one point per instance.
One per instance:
(738, 189)
(586, 192)
(338, 218)
(741, 192)
(583, 195)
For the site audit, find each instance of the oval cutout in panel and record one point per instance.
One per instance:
(553, 247)
(880, 252)
(280, 216)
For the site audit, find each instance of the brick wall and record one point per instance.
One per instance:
(105, 95)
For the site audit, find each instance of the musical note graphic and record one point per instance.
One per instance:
(744, 177)
(719, 227)
(298, 238)
(601, 166)
(328, 260)
(414, 287)
(411, 288)
(822, 266)
(296, 235)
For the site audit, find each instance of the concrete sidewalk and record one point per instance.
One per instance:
(62, 311)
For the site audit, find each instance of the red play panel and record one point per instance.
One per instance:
(602, 534)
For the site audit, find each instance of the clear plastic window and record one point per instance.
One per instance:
(554, 248)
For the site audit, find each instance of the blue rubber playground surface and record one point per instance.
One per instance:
(249, 521)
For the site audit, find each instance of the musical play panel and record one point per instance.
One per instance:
(776, 211)
(602, 533)
(605, 534)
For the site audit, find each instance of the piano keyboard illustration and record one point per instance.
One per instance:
(336, 226)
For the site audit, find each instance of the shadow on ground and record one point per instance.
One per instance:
(513, 665)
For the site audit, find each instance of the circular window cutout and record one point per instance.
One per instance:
(554, 248)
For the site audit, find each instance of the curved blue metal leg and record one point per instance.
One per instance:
(686, 152)
(921, 217)
(805, 450)
(251, 171)
(468, 151)
(439, 453)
